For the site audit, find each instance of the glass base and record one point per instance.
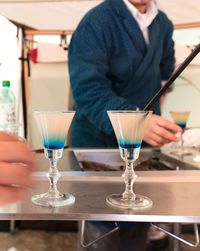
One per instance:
(45, 200)
(140, 202)
(180, 152)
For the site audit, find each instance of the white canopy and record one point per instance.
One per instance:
(66, 14)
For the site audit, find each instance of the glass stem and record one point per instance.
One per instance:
(53, 176)
(129, 178)
(182, 141)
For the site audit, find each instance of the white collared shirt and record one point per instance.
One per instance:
(143, 19)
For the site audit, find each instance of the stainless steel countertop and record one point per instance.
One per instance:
(174, 195)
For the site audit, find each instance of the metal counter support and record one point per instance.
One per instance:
(12, 227)
(86, 245)
(175, 237)
(196, 232)
(176, 231)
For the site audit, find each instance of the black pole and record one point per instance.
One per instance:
(24, 104)
(174, 76)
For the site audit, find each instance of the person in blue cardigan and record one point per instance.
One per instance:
(118, 56)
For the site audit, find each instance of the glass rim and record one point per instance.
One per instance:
(51, 112)
(177, 111)
(128, 111)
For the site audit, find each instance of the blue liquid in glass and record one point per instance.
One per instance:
(54, 143)
(182, 124)
(126, 145)
(129, 150)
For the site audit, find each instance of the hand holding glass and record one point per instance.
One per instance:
(129, 128)
(53, 127)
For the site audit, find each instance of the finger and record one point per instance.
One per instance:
(7, 137)
(15, 174)
(165, 134)
(11, 195)
(169, 125)
(16, 152)
(156, 140)
(159, 139)
(152, 143)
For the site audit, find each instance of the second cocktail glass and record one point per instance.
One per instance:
(53, 127)
(129, 128)
(180, 118)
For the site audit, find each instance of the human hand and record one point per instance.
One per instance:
(160, 131)
(17, 162)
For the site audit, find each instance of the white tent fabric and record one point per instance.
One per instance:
(48, 53)
(49, 90)
(181, 52)
(51, 15)
(66, 14)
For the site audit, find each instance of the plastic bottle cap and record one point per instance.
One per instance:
(6, 83)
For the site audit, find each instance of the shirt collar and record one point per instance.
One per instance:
(144, 19)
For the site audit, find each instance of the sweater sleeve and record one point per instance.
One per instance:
(168, 59)
(92, 89)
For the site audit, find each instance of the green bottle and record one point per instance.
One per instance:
(7, 106)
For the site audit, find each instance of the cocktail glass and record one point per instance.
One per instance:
(129, 128)
(180, 118)
(53, 127)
